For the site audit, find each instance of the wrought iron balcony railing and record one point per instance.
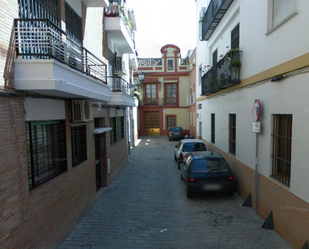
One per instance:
(119, 84)
(151, 102)
(40, 39)
(214, 13)
(222, 75)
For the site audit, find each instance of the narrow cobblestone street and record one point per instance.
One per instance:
(146, 207)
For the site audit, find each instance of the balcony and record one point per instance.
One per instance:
(51, 63)
(119, 29)
(95, 3)
(149, 62)
(120, 92)
(225, 73)
(214, 14)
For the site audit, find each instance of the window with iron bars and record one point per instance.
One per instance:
(232, 133)
(46, 149)
(213, 131)
(282, 147)
(79, 144)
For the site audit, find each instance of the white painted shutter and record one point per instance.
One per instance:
(282, 9)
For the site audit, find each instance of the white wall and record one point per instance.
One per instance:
(38, 109)
(289, 96)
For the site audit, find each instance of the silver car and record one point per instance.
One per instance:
(187, 145)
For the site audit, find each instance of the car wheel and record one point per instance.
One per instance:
(178, 165)
(189, 193)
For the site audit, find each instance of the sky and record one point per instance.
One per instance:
(161, 22)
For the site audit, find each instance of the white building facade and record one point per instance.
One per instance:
(242, 56)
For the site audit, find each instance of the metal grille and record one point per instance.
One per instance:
(120, 128)
(118, 84)
(282, 147)
(213, 136)
(232, 133)
(39, 9)
(46, 148)
(73, 24)
(235, 37)
(114, 130)
(41, 39)
(79, 144)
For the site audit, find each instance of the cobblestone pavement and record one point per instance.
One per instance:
(146, 207)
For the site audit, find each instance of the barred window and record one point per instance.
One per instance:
(282, 147)
(79, 144)
(232, 133)
(213, 137)
(46, 149)
(235, 37)
(113, 131)
(120, 128)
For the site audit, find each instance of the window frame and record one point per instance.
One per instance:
(213, 127)
(46, 151)
(232, 133)
(79, 144)
(174, 90)
(170, 64)
(270, 23)
(282, 125)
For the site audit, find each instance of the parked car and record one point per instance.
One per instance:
(187, 145)
(175, 133)
(207, 171)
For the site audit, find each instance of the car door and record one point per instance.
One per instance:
(185, 166)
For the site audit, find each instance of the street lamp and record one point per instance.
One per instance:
(141, 76)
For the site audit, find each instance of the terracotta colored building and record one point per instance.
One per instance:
(164, 91)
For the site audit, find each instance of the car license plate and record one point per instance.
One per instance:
(176, 133)
(212, 186)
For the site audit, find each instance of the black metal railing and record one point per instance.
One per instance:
(41, 39)
(214, 13)
(222, 75)
(118, 84)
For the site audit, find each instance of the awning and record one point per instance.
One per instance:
(101, 130)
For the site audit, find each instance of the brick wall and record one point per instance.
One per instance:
(42, 217)
(290, 213)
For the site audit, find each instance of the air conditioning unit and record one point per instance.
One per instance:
(81, 111)
(202, 13)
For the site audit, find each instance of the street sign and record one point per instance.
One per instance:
(256, 127)
(256, 110)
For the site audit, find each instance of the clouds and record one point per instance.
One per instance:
(164, 22)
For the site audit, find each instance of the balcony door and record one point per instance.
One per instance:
(171, 94)
(151, 94)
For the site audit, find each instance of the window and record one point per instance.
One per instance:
(117, 132)
(232, 133)
(120, 128)
(79, 144)
(215, 57)
(282, 147)
(170, 122)
(235, 37)
(170, 65)
(213, 129)
(193, 119)
(190, 118)
(171, 94)
(113, 131)
(46, 149)
(151, 94)
(73, 24)
(280, 11)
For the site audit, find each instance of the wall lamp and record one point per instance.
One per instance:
(141, 76)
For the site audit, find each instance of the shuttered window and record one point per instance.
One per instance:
(282, 10)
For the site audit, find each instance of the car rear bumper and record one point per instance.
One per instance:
(213, 187)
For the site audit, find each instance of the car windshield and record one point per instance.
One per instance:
(189, 147)
(176, 129)
(205, 166)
